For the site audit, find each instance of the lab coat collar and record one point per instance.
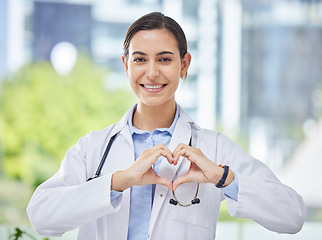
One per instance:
(122, 126)
(123, 122)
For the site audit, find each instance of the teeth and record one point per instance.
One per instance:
(153, 87)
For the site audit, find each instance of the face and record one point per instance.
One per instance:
(154, 66)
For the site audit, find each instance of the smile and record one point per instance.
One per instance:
(153, 88)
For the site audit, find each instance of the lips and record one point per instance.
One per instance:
(153, 87)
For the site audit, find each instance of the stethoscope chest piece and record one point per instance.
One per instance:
(195, 200)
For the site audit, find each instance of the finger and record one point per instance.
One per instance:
(164, 152)
(162, 146)
(184, 152)
(196, 156)
(180, 148)
(148, 158)
(183, 179)
(163, 181)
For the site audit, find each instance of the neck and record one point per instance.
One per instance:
(149, 118)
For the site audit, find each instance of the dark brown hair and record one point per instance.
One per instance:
(156, 20)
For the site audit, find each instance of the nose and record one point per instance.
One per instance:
(152, 71)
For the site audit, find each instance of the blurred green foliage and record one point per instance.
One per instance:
(42, 114)
(14, 197)
(19, 234)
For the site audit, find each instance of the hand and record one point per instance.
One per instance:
(202, 170)
(141, 172)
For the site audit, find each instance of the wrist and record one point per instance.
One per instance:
(119, 181)
(218, 176)
(227, 176)
(229, 179)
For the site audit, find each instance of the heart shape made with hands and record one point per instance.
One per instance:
(201, 169)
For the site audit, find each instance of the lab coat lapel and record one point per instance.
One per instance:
(181, 134)
(116, 225)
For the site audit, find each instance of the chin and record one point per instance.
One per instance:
(156, 102)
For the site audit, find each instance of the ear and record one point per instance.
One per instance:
(185, 63)
(124, 60)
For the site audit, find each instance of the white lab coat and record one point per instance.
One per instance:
(66, 201)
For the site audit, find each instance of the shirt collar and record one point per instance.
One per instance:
(170, 130)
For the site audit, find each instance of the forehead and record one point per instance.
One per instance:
(153, 41)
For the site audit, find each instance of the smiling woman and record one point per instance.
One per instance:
(155, 149)
(154, 67)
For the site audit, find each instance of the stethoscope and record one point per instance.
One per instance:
(173, 201)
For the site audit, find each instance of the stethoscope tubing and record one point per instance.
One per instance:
(100, 166)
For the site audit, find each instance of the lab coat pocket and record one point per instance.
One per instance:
(197, 214)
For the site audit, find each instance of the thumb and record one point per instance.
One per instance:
(163, 181)
(183, 179)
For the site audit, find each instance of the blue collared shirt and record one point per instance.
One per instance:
(142, 196)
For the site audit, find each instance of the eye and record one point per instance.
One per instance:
(138, 60)
(165, 59)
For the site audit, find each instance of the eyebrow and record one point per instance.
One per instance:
(158, 54)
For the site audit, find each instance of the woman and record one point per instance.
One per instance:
(157, 148)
